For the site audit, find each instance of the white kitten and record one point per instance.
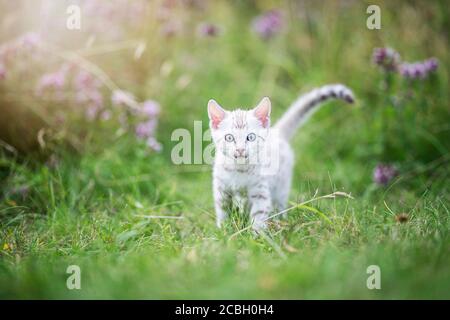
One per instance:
(254, 162)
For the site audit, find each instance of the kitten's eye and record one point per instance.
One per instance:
(251, 137)
(229, 138)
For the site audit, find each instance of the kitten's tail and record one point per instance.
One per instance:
(306, 104)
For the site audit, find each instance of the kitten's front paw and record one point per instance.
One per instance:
(220, 218)
(259, 224)
(219, 222)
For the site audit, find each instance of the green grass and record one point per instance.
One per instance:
(95, 222)
(90, 209)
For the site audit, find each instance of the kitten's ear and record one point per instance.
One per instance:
(262, 112)
(215, 113)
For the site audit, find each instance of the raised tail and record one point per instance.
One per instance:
(306, 104)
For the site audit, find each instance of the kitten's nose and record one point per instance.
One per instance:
(239, 152)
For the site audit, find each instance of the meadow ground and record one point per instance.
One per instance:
(91, 208)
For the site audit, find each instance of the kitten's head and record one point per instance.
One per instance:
(240, 135)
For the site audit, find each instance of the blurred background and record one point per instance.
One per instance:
(86, 117)
(177, 54)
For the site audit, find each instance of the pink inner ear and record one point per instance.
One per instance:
(262, 112)
(264, 120)
(216, 113)
(215, 121)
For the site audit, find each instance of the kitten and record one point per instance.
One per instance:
(253, 162)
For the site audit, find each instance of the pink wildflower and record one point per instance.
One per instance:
(120, 98)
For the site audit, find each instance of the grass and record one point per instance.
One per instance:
(98, 223)
(106, 209)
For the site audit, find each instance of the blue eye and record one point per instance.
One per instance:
(251, 137)
(229, 138)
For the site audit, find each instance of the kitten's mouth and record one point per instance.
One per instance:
(241, 160)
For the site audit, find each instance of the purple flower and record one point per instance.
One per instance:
(268, 24)
(95, 97)
(384, 173)
(23, 44)
(120, 98)
(85, 81)
(153, 144)
(386, 58)
(208, 30)
(106, 115)
(146, 129)
(92, 97)
(55, 80)
(411, 70)
(431, 64)
(418, 70)
(150, 108)
(91, 112)
(2, 71)
(88, 93)
(30, 40)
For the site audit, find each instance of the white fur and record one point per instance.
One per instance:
(258, 172)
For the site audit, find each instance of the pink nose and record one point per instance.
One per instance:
(239, 152)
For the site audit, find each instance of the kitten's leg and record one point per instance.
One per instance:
(222, 199)
(281, 194)
(239, 202)
(282, 185)
(261, 205)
